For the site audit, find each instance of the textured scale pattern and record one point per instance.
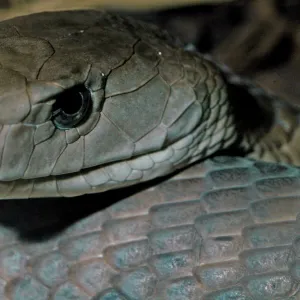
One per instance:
(218, 230)
(224, 229)
(153, 104)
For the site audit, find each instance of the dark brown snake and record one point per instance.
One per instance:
(90, 102)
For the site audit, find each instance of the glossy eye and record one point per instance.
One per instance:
(71, 107)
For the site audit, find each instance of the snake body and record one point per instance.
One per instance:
(91, 102)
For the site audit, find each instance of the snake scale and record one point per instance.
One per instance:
(94, 103)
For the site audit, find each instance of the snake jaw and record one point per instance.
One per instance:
(114, 175)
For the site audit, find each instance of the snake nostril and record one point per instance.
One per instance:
(71, 107)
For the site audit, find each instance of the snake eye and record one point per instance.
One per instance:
(71, 107)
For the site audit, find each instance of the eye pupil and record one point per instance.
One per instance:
(71, 107)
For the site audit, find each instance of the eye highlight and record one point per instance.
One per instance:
(71, 107)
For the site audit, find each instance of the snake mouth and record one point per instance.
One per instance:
(194, 146)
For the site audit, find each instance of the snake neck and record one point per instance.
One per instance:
(268, 128)
(252, 109)
(281, 142)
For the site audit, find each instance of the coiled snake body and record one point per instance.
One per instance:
(90, 102)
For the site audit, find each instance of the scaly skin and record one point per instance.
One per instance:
(227, 227)
(224, 228)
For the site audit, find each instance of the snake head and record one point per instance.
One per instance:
(91, 101)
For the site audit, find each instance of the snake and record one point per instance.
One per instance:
(134, 168)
